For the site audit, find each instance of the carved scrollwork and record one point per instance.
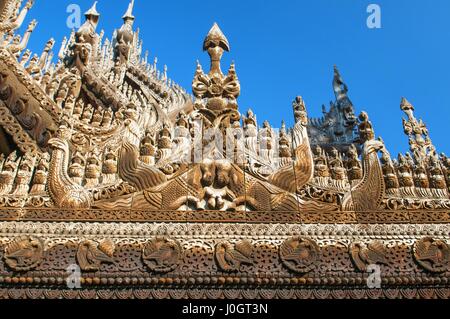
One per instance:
(299, 254)
(230, 258)
(432, 254)
(162, 254)
(91, 255)
(24, 253)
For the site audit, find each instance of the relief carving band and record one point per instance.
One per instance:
(150, 190)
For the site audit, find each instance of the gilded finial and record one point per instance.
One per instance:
(339, 86)
(215, 37)
(405, 105)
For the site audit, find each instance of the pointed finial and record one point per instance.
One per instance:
(339, 86)
(129, 14)
(92, 12)
(405, 105)
(216, 38)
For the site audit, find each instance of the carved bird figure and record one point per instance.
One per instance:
(434, 251)
(162, 253)
(91, 255)
(230, 258)
(296, 252)
(373, 253)
(23, 253)
(23, 250)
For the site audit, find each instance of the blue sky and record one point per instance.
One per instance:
(285, 48)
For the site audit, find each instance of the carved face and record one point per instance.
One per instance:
(208, 170)
(223, 174)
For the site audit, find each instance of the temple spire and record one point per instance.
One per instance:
(419, 139)
(339, 86)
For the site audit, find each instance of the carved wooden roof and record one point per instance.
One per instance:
(102, 136)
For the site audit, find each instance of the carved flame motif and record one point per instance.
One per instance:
(364, 255)
(91, 255)
(299, 254)
(162, 255)
(230, 258)
(432, 254)
(24, 253)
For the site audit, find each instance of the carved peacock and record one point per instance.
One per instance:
(64, 192)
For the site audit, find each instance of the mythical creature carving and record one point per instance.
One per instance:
(293, 178)
(91, 255)
(364, 255)
(368, 193)
(63, 191)
(299, 254)
(24, 253)
(230, 258)
(432, 254)
(162, 254)
(138, 174)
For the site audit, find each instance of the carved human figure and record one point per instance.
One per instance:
(285, 150)
(336, 166)
(354, 166)
(23, 176)
(404, 172)
(76, 168)
(109, 167)
(8, 174)
(320, 163)
(421, 176)
(92, 172)
(437, 178)
(389, 172)
(365, 128)
(147, 150)
(40, 176)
